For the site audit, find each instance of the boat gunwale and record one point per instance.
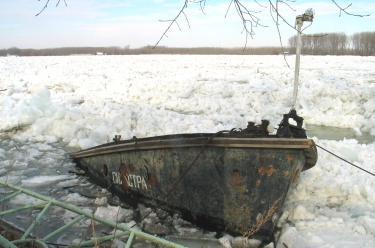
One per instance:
(207, 140)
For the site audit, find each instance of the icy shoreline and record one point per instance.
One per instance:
(79, 101)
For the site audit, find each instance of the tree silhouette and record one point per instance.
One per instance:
(249, 17)
(46, 5)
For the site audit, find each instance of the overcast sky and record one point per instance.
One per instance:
(137, 23)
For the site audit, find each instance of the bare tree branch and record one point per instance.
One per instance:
(45, 6)
(173, 22)
(249, 18)
(346, 12)
(275, 9)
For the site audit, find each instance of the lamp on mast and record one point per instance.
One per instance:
(308, 16)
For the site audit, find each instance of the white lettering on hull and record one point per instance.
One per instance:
(116, 177)
(133, 181)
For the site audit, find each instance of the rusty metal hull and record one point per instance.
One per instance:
(238, 183)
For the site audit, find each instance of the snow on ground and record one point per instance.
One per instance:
(53, 105)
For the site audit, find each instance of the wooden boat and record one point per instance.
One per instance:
(236, 180)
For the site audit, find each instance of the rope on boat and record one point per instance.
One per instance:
(175, 185)
(345, 160)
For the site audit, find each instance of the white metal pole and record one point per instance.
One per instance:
(299, 23)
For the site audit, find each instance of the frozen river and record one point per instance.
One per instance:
(51, 106)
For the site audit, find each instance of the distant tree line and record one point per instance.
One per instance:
(65, 51)
(317, 44)
(336, 44)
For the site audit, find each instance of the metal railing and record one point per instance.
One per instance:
(46, 202)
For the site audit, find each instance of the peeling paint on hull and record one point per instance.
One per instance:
(236, 183)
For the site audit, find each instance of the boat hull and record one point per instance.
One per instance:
(234, 183)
